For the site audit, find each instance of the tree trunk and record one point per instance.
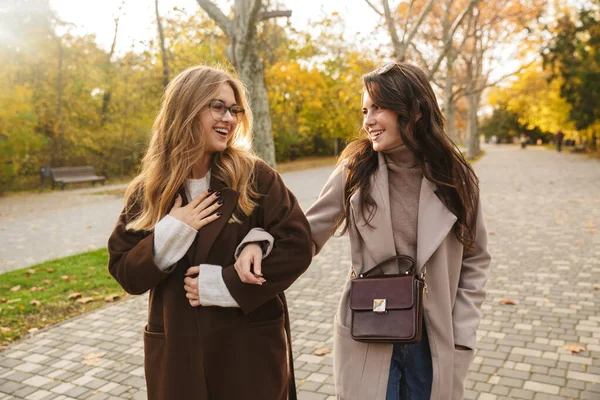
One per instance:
(472, 135)
(243, 52)
(449, 104)
(163, 50)
(58, 156)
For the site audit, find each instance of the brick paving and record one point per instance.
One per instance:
(542, 211)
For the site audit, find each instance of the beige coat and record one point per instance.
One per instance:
(455, 282)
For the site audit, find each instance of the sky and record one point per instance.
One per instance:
(137, 22)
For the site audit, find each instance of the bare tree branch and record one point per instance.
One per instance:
(389, 20)
(374, 8)
(216, 14)
(420, 20)
(423, 61)
(274, 14)
(161, 37)
(114, 42)
(457, 22)
(406, 21)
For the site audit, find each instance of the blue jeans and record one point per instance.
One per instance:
(411, 373)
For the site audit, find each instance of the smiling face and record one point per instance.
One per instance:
(218, 131)
(381, 125)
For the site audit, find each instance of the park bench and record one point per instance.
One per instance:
(65, 175)
(580, 147)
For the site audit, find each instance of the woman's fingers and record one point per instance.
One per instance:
(242, 267)
(192, 296)
(195, 303)
(207, 220)
(190, 289)
(192, 271)
(178, 201)
(200, 198)
(210, 209)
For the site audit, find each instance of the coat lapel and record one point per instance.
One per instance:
(378, 237)
(206, 236)
(434, 223)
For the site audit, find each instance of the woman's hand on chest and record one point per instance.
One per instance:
(200, 211)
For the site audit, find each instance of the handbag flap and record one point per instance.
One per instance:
(396, 290)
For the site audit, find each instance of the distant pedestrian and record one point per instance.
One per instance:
(558, 138)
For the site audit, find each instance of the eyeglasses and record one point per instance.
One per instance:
(218, 110)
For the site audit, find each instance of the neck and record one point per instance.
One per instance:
(201, 168)
(400, 156)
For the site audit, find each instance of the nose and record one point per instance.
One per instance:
(228, 117)
(369, 119)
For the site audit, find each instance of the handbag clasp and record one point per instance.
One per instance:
(379, 306)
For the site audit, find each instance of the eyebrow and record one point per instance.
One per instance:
(224, 102)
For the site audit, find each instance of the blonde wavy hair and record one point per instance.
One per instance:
(178, 141)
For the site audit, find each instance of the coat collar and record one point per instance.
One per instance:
(206, 236)
(434, 219)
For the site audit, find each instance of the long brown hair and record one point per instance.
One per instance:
(404, 89)
(177, 142)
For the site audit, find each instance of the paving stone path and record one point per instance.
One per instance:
(542, 210)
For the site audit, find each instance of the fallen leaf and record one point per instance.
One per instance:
(65, 277)
(508, 301)
(47, 282)
(37, 289)
(111, 298)
(35, 303)
(15, 288)
(492, 233)
(85, 300)
(33, 330)
(574, 348)
(4, 329)
(31, 271)
(22, 307)
(596, 287)
(94, 355)
(323, 351)
(50, 269)
(13, 301)
(74, 296)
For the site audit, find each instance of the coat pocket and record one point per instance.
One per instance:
(462, 361)
(154, 351)
(349, 357)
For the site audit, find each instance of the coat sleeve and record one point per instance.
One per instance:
(474, 274)
(324, 213)
(130, 257)
(279, 214)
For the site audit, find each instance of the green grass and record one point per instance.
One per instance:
(38, 296)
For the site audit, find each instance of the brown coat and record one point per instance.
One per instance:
(455, 281)
(212, 352)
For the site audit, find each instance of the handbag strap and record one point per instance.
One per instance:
(410, 270)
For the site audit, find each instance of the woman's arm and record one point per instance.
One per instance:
(329, 207)
(279, 214)
(471, 292)
(322, 217)
(131, 261)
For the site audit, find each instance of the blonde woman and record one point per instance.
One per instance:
(199, 193)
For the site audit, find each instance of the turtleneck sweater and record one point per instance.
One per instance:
(404, 179)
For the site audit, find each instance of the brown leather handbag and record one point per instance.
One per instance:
(388, 308)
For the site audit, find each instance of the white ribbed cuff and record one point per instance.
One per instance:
(212, 288)
(172, 239)
(255, 235)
